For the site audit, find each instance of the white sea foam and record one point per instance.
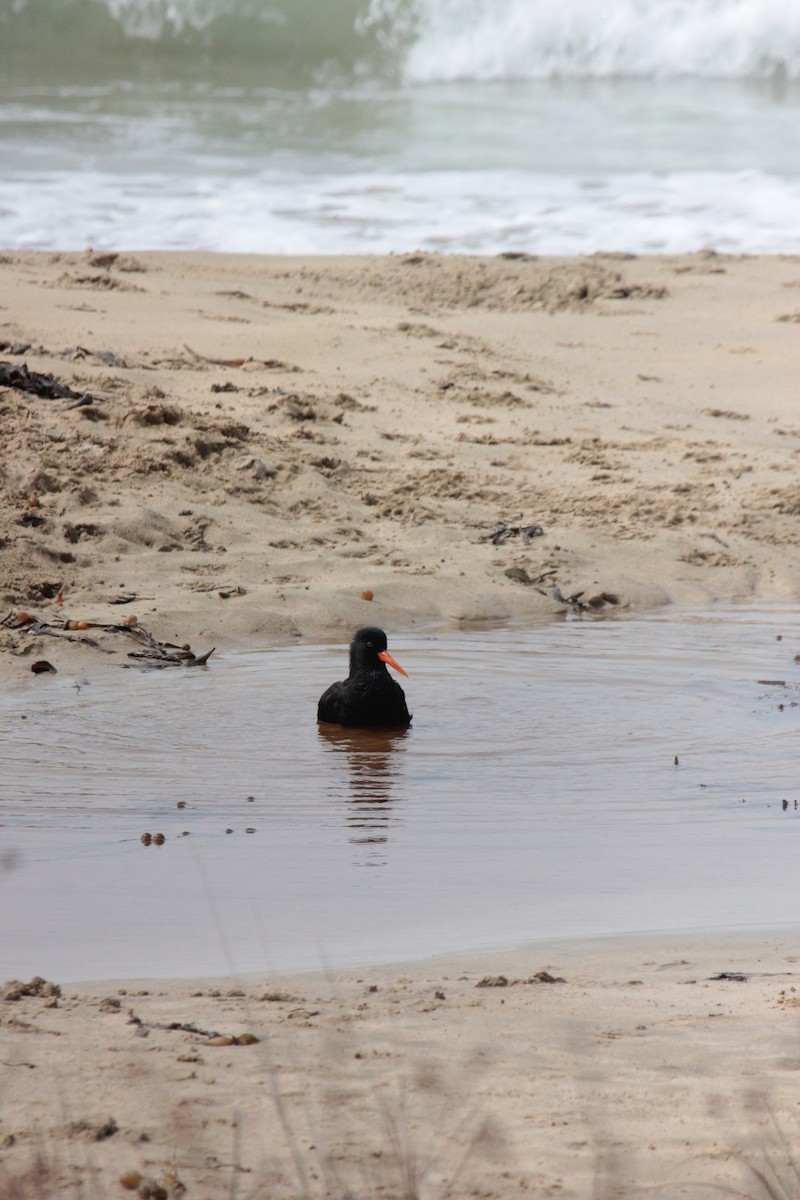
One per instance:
(473, 212)
(538, 39)
(152, 19)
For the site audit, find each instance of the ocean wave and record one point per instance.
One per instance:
(410, 41)
(271, 42)
(447, 40)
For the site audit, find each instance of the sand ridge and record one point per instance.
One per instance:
(270, 437)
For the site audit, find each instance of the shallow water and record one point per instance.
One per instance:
(535, 796)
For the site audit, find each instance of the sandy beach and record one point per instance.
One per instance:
(268, 439)
(254, 451)
(618, 1067)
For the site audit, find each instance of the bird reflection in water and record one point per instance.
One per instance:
(374, 762)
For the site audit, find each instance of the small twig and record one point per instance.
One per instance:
(43, 628)
(219, 362)
(182, 1026)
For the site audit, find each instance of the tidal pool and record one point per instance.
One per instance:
(536, 795)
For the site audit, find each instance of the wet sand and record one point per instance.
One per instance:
(366, 426)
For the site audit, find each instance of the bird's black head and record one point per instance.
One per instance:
(368, 652)
(370, 639)
(365, 648)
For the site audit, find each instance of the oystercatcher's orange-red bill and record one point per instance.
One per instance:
(386, 657)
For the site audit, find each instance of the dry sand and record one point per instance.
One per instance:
(382, 417)
(387, 414)
(624, 1069)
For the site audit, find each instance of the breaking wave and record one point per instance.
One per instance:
(448, 40)
(412, 41)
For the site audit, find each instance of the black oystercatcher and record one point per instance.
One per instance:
(369, 697)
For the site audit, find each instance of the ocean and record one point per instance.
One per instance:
(380, 126)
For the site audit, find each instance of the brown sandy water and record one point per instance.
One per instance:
(536, 795)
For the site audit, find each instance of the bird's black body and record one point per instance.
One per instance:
(369, 698)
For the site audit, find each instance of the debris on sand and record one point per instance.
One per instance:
(46, 386)
(502, 532)
(153, 653)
